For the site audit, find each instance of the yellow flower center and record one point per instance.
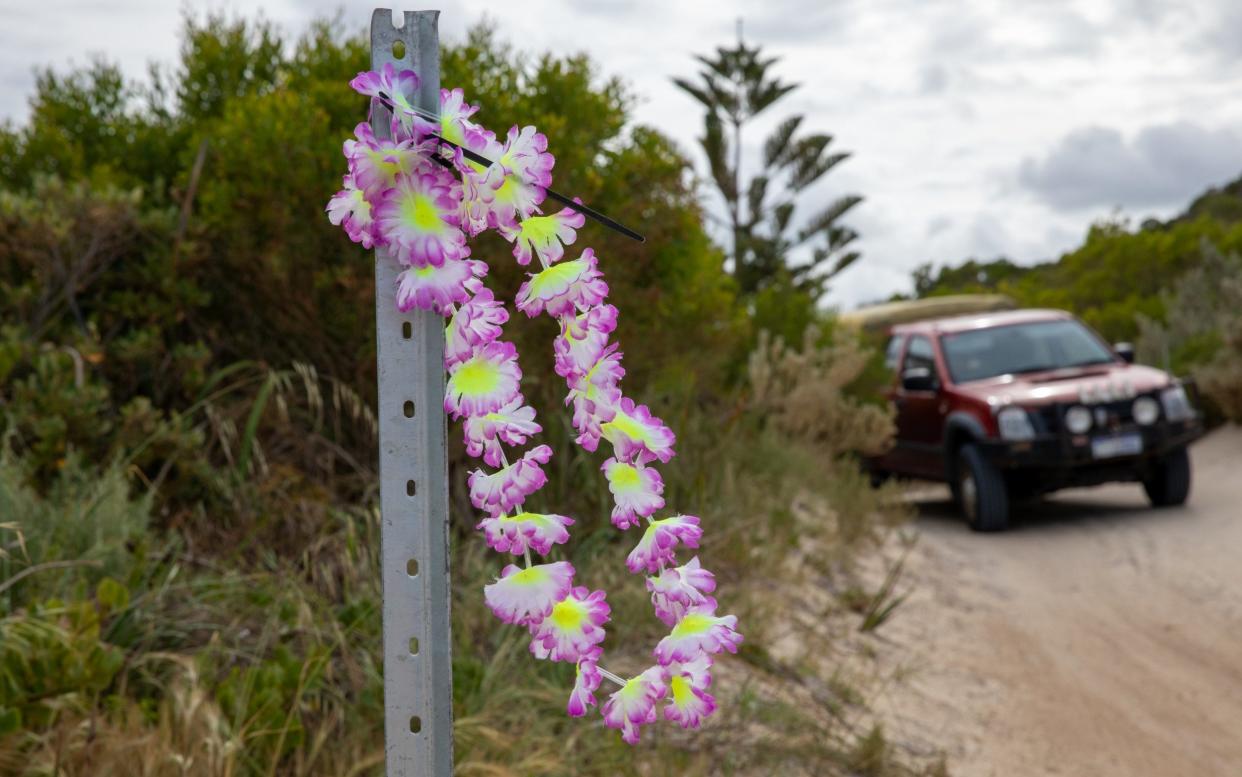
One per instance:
(476, 377)
(692, 624)
(536, 518)
(451, 131)
(508, 191)
(624, 476)
(528, 576)
(556, 278)
(419, 212)
(680, 688)
(539, 229)
(385, 162)
(568, 615)
(626, 425)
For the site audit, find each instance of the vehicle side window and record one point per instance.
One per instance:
(893, 352)
(919, 353)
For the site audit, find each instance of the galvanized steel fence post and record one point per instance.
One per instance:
(418, 681)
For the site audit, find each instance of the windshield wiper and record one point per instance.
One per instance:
(1089, 362)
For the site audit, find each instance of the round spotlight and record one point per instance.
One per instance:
(1078, 419)
(1146, 411)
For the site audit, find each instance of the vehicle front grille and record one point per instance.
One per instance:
(1105, 415)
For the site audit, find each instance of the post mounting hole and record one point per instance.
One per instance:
(411, 567)
(407, 330)
(398, 49)
(413, 646)
(411, 488)
(408, 409)
(416, 724)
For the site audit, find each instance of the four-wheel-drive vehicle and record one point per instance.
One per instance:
(1009, 405)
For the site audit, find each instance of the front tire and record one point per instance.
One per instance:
(981, 491)
(1168, 484)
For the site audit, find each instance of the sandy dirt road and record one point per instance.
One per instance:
(1097, 637)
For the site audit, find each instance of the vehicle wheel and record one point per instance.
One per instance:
(1169, 481)
(981, 491)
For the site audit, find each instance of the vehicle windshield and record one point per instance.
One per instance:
(1019, 348)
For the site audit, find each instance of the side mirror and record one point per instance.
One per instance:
(1125, 351)
(918, 379)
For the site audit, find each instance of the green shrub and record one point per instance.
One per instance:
(87, 528)
(52, 660)
(1202, 331)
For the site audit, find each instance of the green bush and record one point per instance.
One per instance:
(84, 530)
(1201, 335)
(52, 659)
(188, 530)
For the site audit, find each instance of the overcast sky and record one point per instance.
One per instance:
(977, 128)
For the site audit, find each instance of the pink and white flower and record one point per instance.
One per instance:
(688, 700)
(350, 209)
(525, 156)
(508, 201)
(544, 236)
(606, 373)
(583, 339)
(661, 539)
(593, 407)
(438, 288)
(397, 88)
(636, 490)
(586, 681)
(511, 424)
(573, 628)
(595, 396)
(479, 190)
(637, 435)
(419, 218)
(516, 184)
(526, 596)
(483, 383)
(677, 589)
(518, 534)
(455, 125)
(563, 288)
(635, 703)
(699, 631)
(475, 324)
(502, 491)
(376, 164)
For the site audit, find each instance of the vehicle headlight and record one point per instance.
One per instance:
(1145, 411)
(1176, 404)
(1015, 424)
(1078, 419)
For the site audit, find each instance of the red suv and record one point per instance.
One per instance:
(1009, 405)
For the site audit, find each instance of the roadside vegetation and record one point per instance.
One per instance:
(188, 523)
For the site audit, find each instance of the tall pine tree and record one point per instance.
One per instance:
(736, 86)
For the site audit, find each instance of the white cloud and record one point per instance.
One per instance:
(939, 102)
(1163, 166)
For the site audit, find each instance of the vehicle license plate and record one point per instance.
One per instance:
(1118, 445)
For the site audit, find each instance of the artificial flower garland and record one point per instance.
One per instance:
(421, 198)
